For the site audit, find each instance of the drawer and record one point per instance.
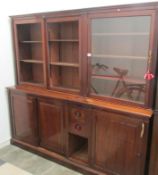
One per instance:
(79, 121)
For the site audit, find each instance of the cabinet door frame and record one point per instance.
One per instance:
(53, 102)
(142, 145)
(148, 101)
(28, 98)
(32, 20)
(66, 19)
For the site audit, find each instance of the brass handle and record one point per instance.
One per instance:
(142, 130)
(149, 58)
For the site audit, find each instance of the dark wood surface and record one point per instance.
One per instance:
(51, 124)
(153, 168)
(106, 141)
(119, 107)
(79, 120)
(119, 143)
(24, 118)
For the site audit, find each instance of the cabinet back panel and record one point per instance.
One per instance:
(29, 32)
(65, 77)
(32, 73)
(36, 51)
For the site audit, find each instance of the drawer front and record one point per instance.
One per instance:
(79, 121)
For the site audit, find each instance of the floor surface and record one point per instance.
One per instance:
(16, 161)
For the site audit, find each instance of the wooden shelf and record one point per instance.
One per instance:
(32, 83)
(64, 40)
(30, 42)
(114, 97)
(119, 56)
(65, 88)
(32, 61)
(64, 64)
(81, 154)
(116, 78)
(121, 34)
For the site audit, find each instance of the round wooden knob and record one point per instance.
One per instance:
(78, 127)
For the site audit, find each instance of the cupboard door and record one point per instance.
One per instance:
(120, 49)
(51, 124)
(153, 168)
(24, 118)
(30, 53)
(64, 45)
(119, 144)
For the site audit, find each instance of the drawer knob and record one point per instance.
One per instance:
(78, 127)
(77, 114)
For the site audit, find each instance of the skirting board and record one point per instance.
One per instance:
(5, 143)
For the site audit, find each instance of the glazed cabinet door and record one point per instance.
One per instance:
(51, 124)
(120, 144)
(30, 51)
(120, 55)
(24, 118)
(64, 50)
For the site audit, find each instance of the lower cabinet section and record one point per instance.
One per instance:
(119, 142)
(51, 124)
(24, 118)
(153, 168)
(88, 137)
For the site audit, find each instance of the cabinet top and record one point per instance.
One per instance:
(131, 110)
(112, 8)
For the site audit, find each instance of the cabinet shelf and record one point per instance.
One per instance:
(121, 34)
(32, 83)
(81, 154)
(30, 42)
(64, 64)
(64, 88)
(64, 40)
(119, 56)
(116, 78)
(32, 61)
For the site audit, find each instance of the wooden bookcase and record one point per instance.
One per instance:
(86, 80)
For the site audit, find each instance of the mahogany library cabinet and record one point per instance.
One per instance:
(86, 93)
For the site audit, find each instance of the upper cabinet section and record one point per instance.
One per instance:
(63, 37)
(120, 48)
(103, 53)
(29, 52)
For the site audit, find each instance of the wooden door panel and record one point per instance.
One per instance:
(51, 125)
(24, 118)
(153, 168)
(117, 144)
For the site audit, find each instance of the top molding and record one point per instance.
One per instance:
(113, 8)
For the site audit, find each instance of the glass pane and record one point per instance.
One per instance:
(30, 53)
(63, 41)
(119, 57)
